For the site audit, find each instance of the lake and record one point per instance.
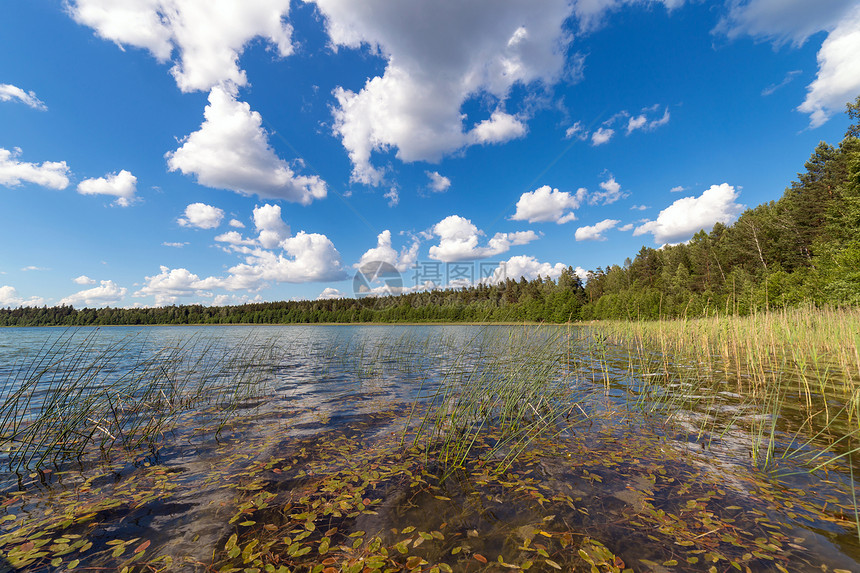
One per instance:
(419, 448)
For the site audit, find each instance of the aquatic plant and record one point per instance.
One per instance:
(76, 396)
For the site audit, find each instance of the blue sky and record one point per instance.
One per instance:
(196, 151)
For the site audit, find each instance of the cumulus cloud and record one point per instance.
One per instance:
(547, 204)
(122, 185)
(168, 286)
(438, 183)
(677, 189)
(271, 257)
(271, 227)
(330, 293)
(838, 79)
(627, 227)
(307, 257)
(384, 252)
(9, 298)
(458, 241)
(795, 21)
(176, 245)
(203, 39)
(602, 136)
(107, 293)
(610, 194)
(237, 224)
(231, 151)
(595, 232)
(51, 174)
(84, 280)
(8, 92)
(685, 217)
(528, 267)
(202, 216)
(235, 239)
(439, 55)
(499, 128)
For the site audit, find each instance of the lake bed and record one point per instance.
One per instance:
(422, 448)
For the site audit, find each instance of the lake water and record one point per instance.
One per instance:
(424, 448)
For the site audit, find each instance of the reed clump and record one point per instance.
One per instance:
(77, 397)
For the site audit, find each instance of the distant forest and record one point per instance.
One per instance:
(803, 248)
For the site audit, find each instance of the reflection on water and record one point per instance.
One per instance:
(330, 455)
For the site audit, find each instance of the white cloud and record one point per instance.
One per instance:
(576, 130)
(271, 227)
(677, 189)
(393, 197)
(8, 92)
(789, 77)
(384, 252)
(528, 267)
(176, 245)
(202, 216)
(9, 298)
(458, 241)
(685, 217)
(231, 151)
(439, 55)
(627, 227)
(601, 136)
(438, 183)
(500, 127)
(590, 13)
(307, 257)
(782, 20)
(795, 21)
(642, 122)
(84, 280)
(52, 174)
(610, 194)
(838, 79)
(546, 204)
(34, 268)
(330, 293)
(208, 36)
(107, 293)
(595, 232)
(237, 224)
(171, 284)
(639, 207)
(122, 185)
(235, 239)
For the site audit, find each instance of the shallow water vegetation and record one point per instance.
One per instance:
(71, 399)
(488, 449)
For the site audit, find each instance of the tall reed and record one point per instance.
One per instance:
(77, 397)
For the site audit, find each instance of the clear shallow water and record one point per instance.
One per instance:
(617, 482)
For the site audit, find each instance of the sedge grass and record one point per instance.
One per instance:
(76, 397)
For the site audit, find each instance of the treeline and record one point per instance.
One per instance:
(803, 248)
(510, 301)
